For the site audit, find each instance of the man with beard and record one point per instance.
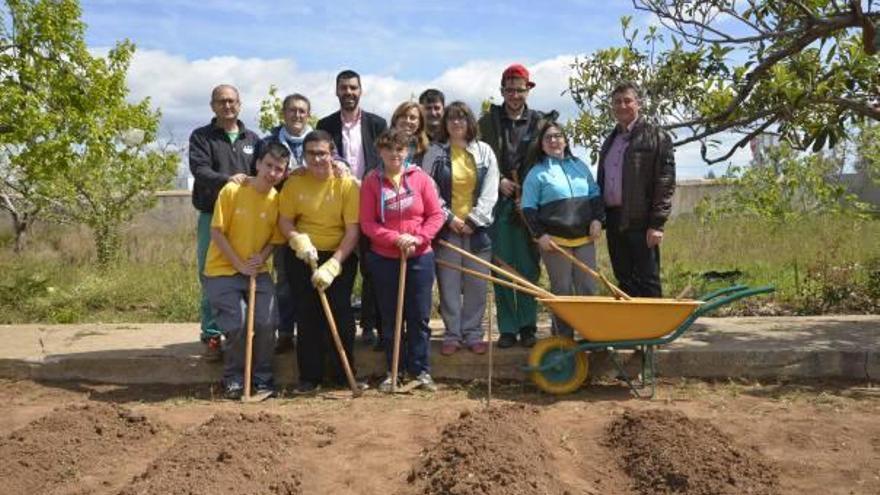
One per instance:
(509, 129)
(354, 133)
(219, 153)
(432, 102)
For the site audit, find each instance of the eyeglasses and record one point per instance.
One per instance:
(456, 119)
(554, 136)
(320, 155)
(226, 101)
(514, 91)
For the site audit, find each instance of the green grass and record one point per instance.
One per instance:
(824, 265)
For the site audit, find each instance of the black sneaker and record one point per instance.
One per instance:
(506, 340)
(527, 336)
(284, 344)
(233, 391)
(368, 336)
(303, 388)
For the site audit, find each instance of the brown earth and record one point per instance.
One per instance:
(496, 451)
(73, 438)
(666, 452)
(70, 446)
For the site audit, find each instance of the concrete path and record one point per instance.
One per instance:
(764, 348)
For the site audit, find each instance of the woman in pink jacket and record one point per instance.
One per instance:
(400, 213)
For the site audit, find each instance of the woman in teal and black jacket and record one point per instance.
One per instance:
(561, 204)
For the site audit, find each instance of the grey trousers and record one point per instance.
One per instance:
(568, 280)
(462, 297)
(229, 299)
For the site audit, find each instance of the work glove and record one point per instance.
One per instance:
(324, 274)
(304, 249)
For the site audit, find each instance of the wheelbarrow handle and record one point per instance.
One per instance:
(708, 307)
(722, 291)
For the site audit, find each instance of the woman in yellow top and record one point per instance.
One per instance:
(243, 229)
(319, 216)
(466, 173)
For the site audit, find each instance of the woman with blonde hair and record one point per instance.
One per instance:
(410, 118)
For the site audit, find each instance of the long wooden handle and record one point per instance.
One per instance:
(615, 291)
(516, 278)
(249, 336)
(495, 280)
(398, 321)
(334, 332)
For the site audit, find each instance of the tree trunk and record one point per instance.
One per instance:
(108, 244)
(20, 234)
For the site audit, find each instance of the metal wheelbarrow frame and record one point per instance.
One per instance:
(558, 364)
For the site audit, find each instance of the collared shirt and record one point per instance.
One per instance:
(513, 132)
(613, 186)
(353, 145)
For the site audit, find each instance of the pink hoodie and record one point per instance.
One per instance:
(413, 208)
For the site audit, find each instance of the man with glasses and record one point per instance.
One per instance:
(295, 114)
(318, 214)
(219, 152)
(637, 179)
(509, 129)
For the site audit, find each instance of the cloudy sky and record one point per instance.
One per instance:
(186, 47)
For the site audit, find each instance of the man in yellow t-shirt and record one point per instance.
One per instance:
(319, 216)
(243, 229)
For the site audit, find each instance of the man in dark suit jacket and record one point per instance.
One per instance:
(354, 132)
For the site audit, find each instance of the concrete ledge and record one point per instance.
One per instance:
(810, 347)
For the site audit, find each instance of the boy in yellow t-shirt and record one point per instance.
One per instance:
(243, 230)
(319, 216)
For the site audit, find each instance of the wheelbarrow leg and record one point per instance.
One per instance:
(647, 372)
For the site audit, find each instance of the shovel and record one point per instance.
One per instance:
(249, 347)
(331, 322)
(398, 327)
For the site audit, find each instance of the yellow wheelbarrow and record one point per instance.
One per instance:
(558, 364)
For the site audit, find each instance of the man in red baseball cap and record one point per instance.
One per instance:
(509, 129)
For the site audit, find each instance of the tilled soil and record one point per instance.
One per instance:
(70, 446)
(693, 439)
(491, 452)
(665, 452)
(254, 453)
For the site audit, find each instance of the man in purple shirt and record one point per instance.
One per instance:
(637, 179)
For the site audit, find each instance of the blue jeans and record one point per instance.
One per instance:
(415, 333)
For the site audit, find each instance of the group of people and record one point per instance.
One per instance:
(356, 195)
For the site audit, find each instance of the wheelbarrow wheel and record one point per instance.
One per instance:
(557, 369)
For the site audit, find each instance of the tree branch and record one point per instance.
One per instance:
(739, 144)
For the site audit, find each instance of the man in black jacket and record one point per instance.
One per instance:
(637, 179)
(219, 152)
(354, 133)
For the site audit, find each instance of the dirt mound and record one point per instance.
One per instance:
(494, 452)
(664, 451)
(69, 444)
(250, 453)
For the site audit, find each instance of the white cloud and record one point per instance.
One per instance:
(181, 89)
